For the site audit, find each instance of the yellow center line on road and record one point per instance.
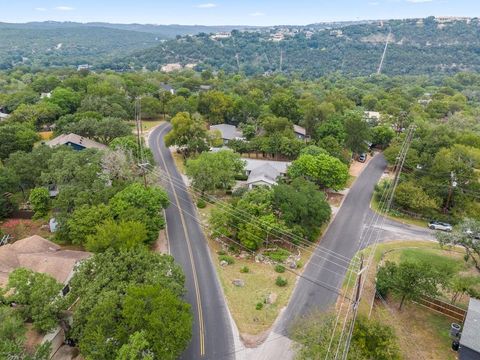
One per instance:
(190, 253)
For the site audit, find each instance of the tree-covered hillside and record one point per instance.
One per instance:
(417, 46)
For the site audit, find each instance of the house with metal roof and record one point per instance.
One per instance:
(300, 132)
(228, 132)
(264, 175)
(76, 142)
(470, 339)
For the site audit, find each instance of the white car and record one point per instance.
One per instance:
(438, 225)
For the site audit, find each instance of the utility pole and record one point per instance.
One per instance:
(359, 281)
(138, 124)
(453, 184)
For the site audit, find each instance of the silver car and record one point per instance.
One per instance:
(438, 225)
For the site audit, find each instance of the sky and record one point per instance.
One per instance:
(229, 12)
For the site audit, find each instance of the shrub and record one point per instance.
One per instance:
(230, 260)
(245, 270)
(201, 203)
(281, 281)
(299, 264)
(259, 306)
(279, 255)
(221, 252)
(279, 268)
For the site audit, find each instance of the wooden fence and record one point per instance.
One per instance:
(442, 307)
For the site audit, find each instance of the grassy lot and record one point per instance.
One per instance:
(414, 324)
(350, 181)
(259, 285)
(403, 219)
(179, 161)
(146, 124)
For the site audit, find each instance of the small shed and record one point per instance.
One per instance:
(470, 339)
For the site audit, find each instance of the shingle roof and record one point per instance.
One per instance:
(471, 328)
(280, 166)
(40, 255)
(229, 132)
(76, 139)
(266, 173)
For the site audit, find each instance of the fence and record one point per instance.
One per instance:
(442, 307)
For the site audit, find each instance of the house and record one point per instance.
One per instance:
(39, 255)
(44, 95)
(470, 339)
(372, 116)
(3, 116)
(205, 87)
(264, 175)
(300, 132)
(77, 142)
(264, 172)
(167, 88)
(83, 67)
(228, 132)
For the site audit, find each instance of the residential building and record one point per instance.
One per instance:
(167, 88)
(75, 141)
(264, 175)
(44, 95)
(83, 67)
(470, 339)
(373, 116)
(264, 172)
(300, 132)
(40, 255)
(3, 116)
(205, 87)
(228, 132)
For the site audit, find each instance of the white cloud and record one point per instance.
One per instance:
(419, 1)
(64, 8)
(206, 6)
(40, 9)
(373, 3)
(258, 13)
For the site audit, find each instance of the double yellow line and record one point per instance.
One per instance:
(190, 253)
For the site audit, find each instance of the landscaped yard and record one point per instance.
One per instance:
(422, 332)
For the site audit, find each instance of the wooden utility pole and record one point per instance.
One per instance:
(138, 124)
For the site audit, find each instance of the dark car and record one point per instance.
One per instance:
(362, 158)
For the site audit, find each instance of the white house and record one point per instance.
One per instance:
(264, 172)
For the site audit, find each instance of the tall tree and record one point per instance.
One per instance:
(189, 133)
(358, 132)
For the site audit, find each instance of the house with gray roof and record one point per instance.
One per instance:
(264, 175)
(76, 142)
(300, 132)
(167, 88)
(470, 339)
(228, 132)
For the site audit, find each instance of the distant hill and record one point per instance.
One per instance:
(417, 46)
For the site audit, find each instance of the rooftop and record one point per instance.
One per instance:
(299, 130)
(39, 255)
(266, 173)
(229, 132)
(280, 166)
(76, 139)
(471, 328)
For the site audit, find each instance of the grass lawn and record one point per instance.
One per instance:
(350, 181)
(259, 285)
(146, 124)
(401, 218)
(414, 325)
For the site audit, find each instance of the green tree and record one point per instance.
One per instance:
(410, 196)
(324, 170)
(382, 135)
(144, 305)
(121, 235)
(189, 133)
(302, 207)
(137, 348)
(66, 99)
(357, 132)
(16, 137)
(37, 293)
(211, 171)
(103, 130)
(150, 107)
(40, 200)
(83, 222)
(215, 106)
(284, 104)
(464, 236)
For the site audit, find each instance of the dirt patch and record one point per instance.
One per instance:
(253, 341)
(357, 167)
(334, 199)
(161, 245)
(22, 228)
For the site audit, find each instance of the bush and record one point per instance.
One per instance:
(279, 255)
(245, 270)
(230, 260)
(279, 268)
(240, 191)
(281, 281)
(259, 306)
(221, 252)
(299, 264)
(241, 177)
(201, 203)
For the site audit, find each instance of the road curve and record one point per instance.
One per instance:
(212, 333)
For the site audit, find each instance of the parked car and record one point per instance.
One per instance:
(438, 225)
(470, 233)
(362, 158)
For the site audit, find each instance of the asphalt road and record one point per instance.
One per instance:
(212, 333)
(342, 237)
